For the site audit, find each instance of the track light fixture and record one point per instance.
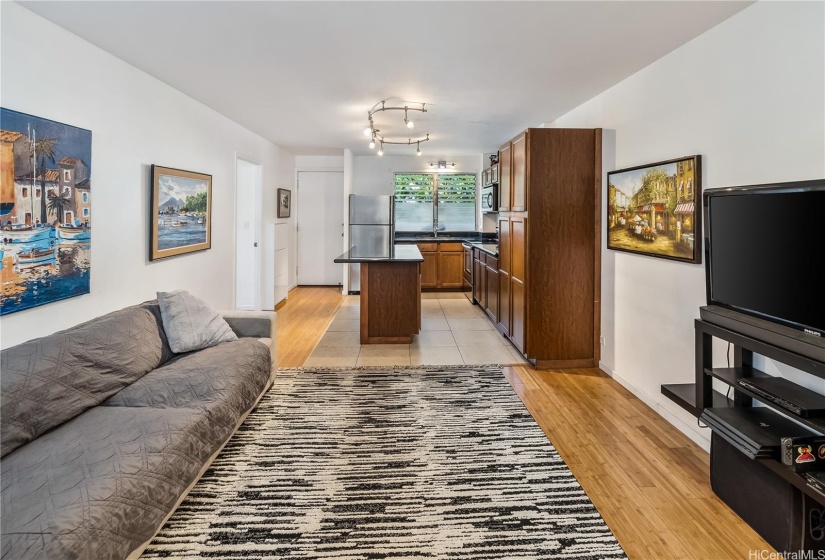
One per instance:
(374, 132)
(442, 164)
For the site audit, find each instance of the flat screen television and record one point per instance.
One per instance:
(765, 252)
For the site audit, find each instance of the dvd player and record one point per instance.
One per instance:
(790, 396)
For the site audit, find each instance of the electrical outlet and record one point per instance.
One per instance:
(601, 340)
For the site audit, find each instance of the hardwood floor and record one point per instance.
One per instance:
(648, 480)
(302, 321)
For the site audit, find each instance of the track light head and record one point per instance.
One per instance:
(381, 149)
(372, 144)
(418, 149)
(368, 131)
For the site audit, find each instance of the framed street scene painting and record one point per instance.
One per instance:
(655, 209)
(45, 211)
(181, 212)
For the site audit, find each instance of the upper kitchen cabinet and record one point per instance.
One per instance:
(518, 173)
(504, 167)
(549, 245)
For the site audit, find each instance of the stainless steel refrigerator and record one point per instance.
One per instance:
(371, 230)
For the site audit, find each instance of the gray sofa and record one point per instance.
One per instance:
(105, 430)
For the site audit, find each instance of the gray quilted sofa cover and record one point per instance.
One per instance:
(104, 430)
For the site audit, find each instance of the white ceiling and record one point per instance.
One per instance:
(304, 74)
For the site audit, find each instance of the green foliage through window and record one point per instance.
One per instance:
(419, 197)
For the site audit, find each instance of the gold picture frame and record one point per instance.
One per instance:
(181, 215)
(656, 209)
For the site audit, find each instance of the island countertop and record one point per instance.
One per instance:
(398, 253)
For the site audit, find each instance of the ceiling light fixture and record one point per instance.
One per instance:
(374, 132)
(442, 164)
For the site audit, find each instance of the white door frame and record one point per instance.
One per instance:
(295, 202)
(256, 230)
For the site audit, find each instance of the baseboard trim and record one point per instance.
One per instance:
(700, 438)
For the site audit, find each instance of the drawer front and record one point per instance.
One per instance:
(491, 261)
(450, 247)
(427, 247)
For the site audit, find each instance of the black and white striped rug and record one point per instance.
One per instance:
(408, 463)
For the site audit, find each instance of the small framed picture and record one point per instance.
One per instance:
(656, 209)
(181, 212)
(284, 203)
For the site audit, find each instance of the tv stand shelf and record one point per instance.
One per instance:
(684, 394)
(695, 397)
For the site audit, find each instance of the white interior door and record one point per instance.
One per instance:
(247, 253)
(320, 229)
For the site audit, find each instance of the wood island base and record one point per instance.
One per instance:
(390, 302)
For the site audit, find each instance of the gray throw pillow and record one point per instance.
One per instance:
(190, 323)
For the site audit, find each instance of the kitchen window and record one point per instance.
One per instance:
(429, 202)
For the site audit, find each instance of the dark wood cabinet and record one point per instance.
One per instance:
(518, 247)
(549, 245)
(504, 250)
(450, 269)
(492, 288)
(489, 176)
(479, 280)
(504, 178)
(468, 270)
(429, 269)
(518, 173)
(443, 265)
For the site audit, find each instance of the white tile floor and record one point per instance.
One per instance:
(453, 332)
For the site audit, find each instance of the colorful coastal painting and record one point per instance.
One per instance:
(45, 211)
(181, 212)
(655, 209)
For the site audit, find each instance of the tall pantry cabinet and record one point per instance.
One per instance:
(550, 245)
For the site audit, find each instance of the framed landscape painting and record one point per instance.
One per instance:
(655, 209)
(181, 212)
(45, 211)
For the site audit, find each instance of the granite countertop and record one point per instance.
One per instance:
(398, 253)
(456, 237)
(489, 248)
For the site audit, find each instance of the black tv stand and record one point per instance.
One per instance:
(695, 397)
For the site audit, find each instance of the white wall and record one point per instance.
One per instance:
(749, 96)
(349, 163)
(135, 121)
(374, 175)
(284, 178)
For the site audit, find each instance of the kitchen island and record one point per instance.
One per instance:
(390, 293)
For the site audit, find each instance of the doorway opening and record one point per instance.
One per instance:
(247, 234)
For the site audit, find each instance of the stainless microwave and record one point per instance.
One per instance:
(489, 198)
